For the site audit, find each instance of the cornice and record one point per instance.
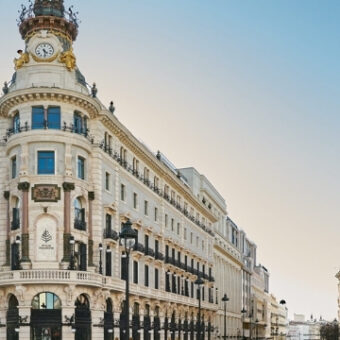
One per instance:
(9, 101)
(228, 255)
(153, 163)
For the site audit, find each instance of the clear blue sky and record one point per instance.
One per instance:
(248, 93)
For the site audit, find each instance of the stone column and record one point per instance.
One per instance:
(67, 333)
(25, 328)
(25, 260)
(141, 334)
(151, 323)
(91, 197)
(8, 231)
(68, 187)
(97, 332)
(161, 332)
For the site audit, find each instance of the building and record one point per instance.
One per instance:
(301, 329)
(278, 318)
(71, 176)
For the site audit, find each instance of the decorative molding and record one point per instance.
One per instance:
(46, 193)
(24, 186)
(68, 186)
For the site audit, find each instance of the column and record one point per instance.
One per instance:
(97, 332)
(2, 322)
(8, 231)
(25, 328)
(116, 316)
(91, 197)
(141, 331)
(67, 333)
(25, 260)
(151, 323)
(68, 187)
(161, 332)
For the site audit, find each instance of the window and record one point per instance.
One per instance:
(156, 247)
(46, 163)
(185, 233)
(166, 220)
(79, 215)
(107, 181)
(108, 262)
(191, 237)
(135, 272)
(202, 244)
(146, 242)
(146, 276)
(146, 208)
(135, 166)
(178, 228)
(14, 166)
(122, 192)
(38, 118)
(135, 200)
(81, 167)
(156, 214)
(16, 215)
(108, 225)
(156, 279)
(53, 118)
(79, 123)
(197, 241)
(16, 123)
(172, 224)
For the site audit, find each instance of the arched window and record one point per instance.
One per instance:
(82, 318)
(45, 301)
(79, 215)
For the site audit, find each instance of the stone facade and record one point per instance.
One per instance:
(71, 175)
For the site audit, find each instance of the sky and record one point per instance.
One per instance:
(247, 92)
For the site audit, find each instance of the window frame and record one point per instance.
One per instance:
(83, 159)
(55, 161)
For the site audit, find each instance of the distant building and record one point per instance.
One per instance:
(299, 329)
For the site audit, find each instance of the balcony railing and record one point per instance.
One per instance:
(79, 225)
(66, 128)
(139, 247)
(111, 234)
(153, 187)
(149, 252)
(159, 256)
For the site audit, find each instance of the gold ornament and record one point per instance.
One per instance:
(69, 59)
(40, 60)
(20, 62)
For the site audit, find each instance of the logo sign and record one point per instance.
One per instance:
(46, 193)
(46, 239)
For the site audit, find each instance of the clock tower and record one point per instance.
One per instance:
(48, 59)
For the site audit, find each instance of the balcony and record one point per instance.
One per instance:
(15, 224)
(139, 248)
(149, 252)
(79, 225)
(159, 256)
(111, 234)
(65, 128)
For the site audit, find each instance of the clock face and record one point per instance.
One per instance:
(44, 51)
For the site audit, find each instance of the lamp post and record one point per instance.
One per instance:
(199, 283)
(127, 239)
(72, 262)
(225, 299)
(100, 258)
(243, 311)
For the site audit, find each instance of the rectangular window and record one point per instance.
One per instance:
(146, 242)
(135, 272)
(156, 214)
(166, 220)
(107, 181)
(191, 237)
(123, 273)
(108, 226)
(122, 192)
(178, 228)
(46, 163)
(185, 233)
(38, 118)
(135, 198)
(14, 166)
(81, 168)
(172, 224)
(146, 276)
(156, 247)
(53, 118)
(156, 279)
(146, 208)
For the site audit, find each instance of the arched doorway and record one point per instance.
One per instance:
(46, 317)
(173, 326)
(82, 318)
(12, 318)
(108, 321)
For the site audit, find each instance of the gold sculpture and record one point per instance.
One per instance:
(69, 59)
(22, 60)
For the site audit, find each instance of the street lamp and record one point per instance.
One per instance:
(127, 239)
(100, 258)
(243, 311)
(199, 282)
(225, 299)
(72, 262)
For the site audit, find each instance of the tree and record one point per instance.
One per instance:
(329, 331)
